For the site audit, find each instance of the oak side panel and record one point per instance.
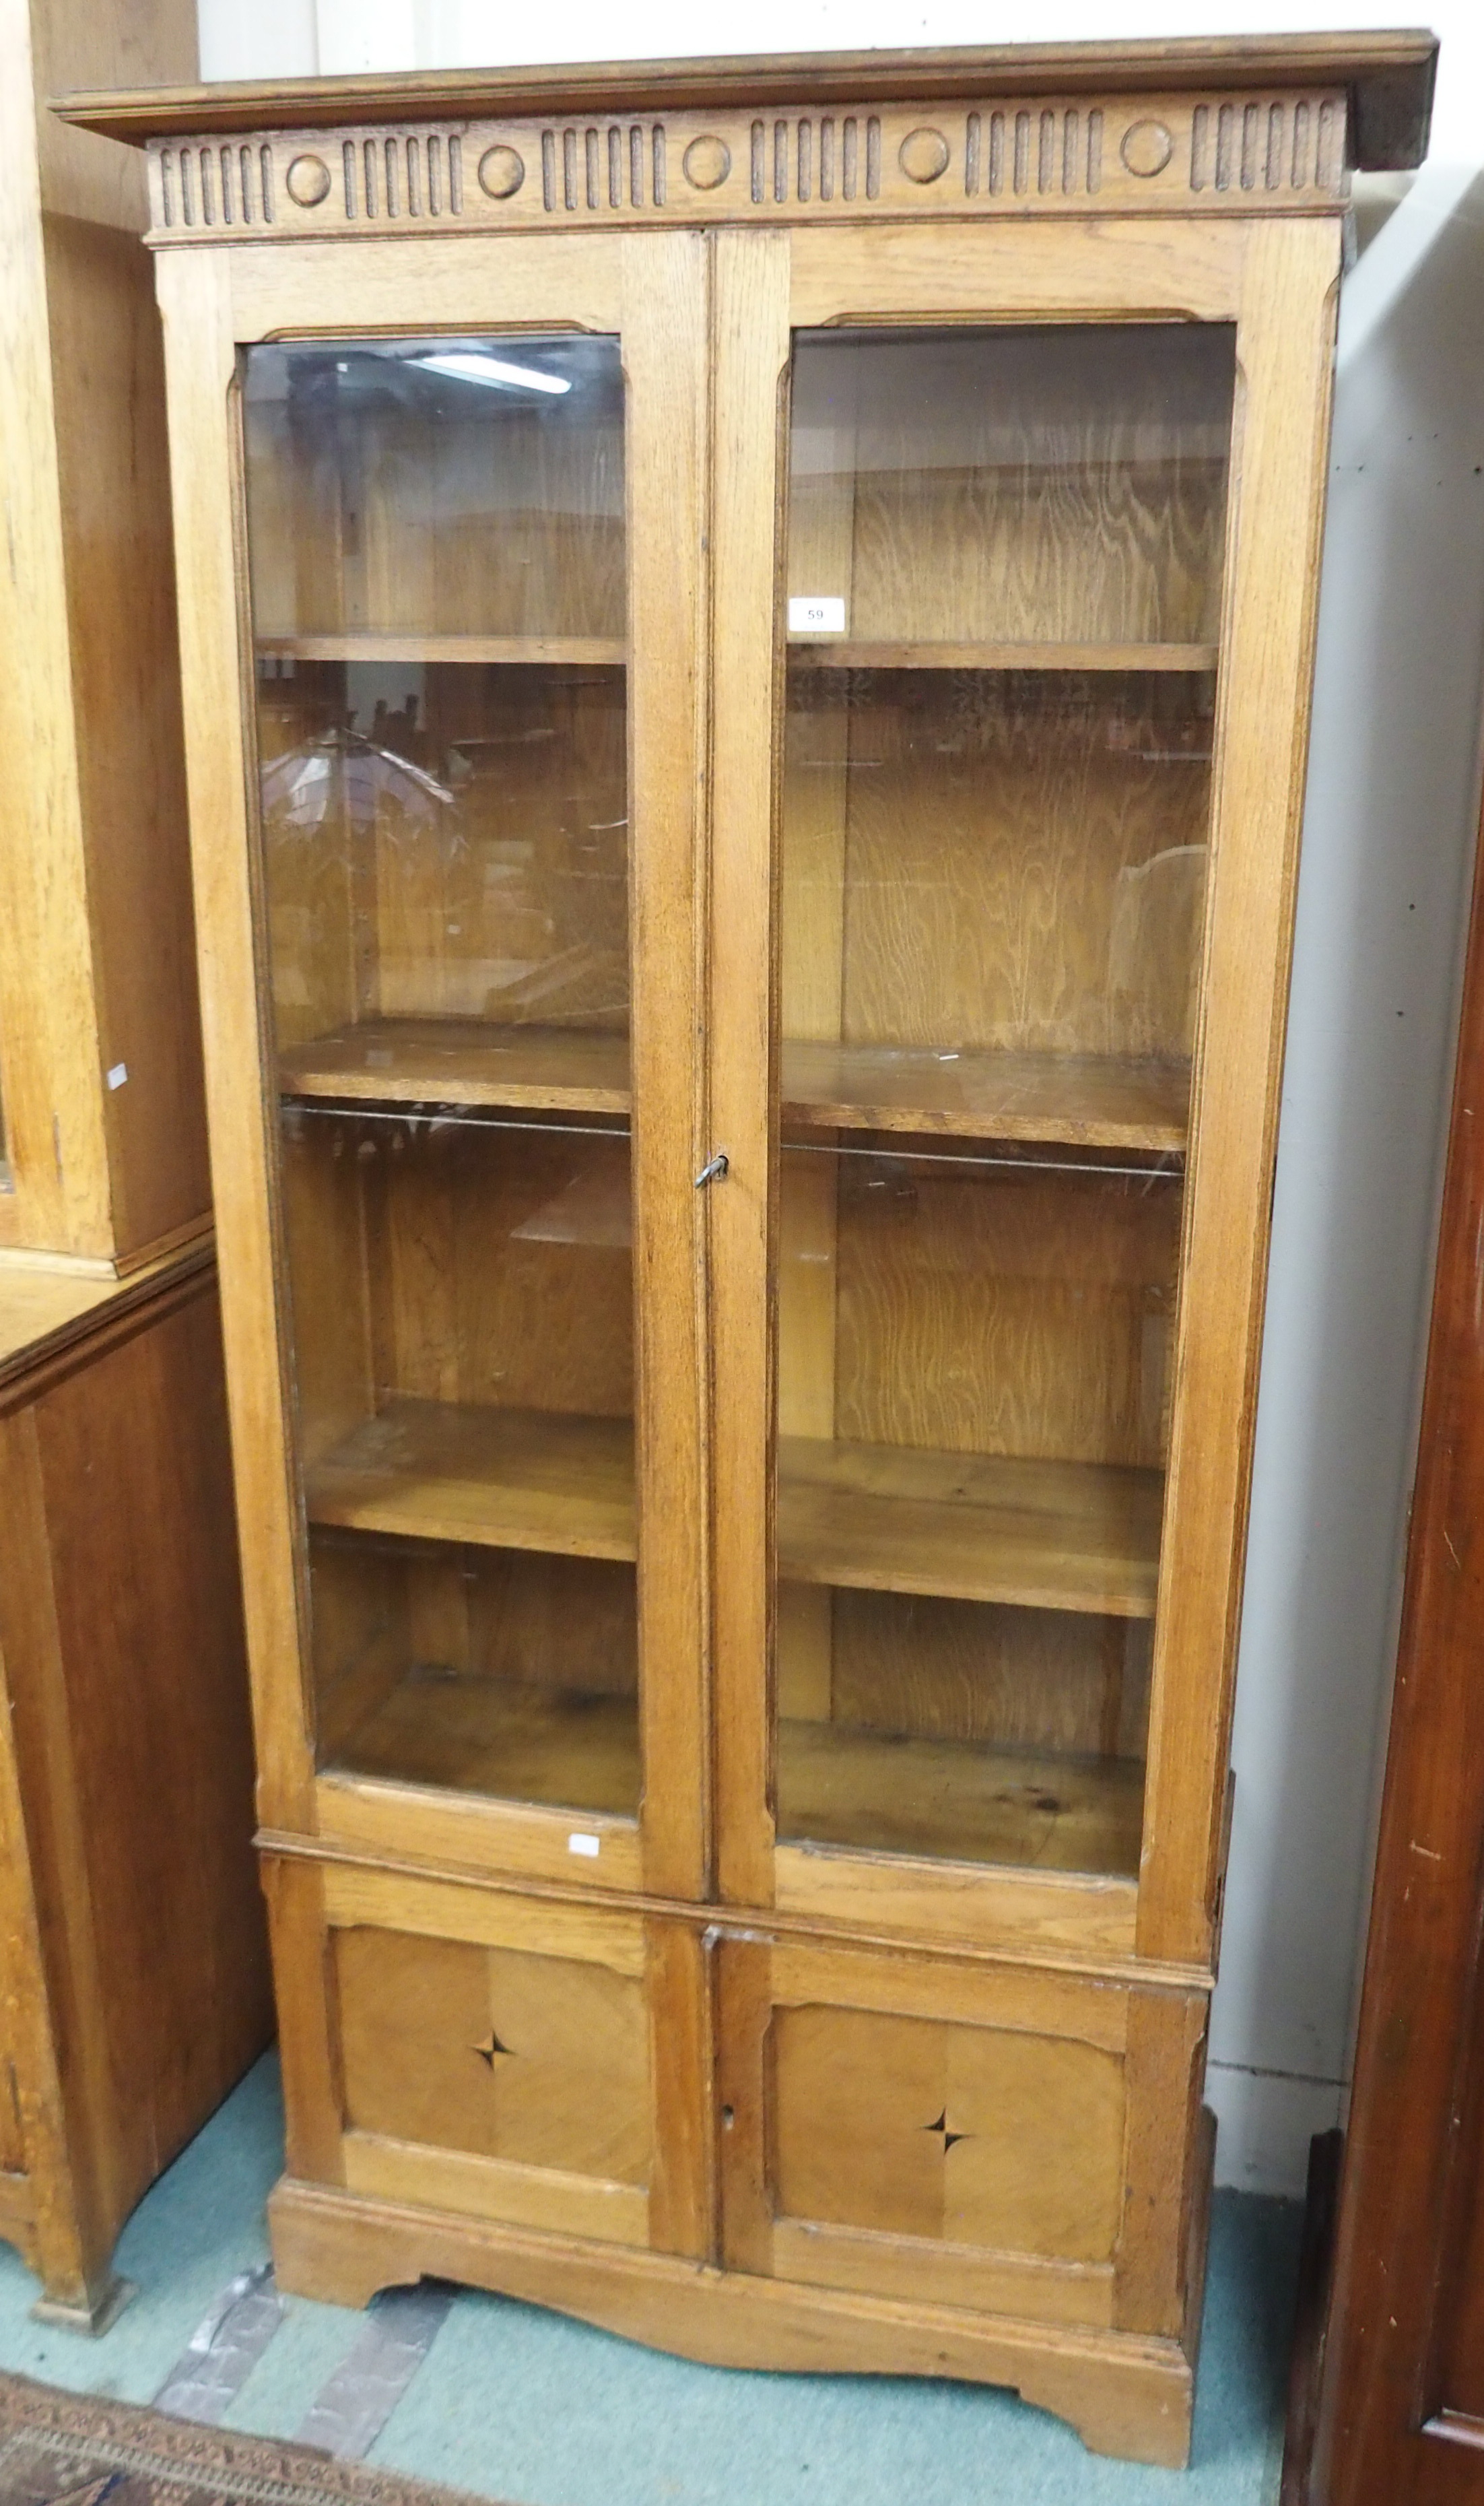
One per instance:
(194, 294)
(48, 1047)
(101, 42)
(665, 364)
(133, 1451)
(1284, 349)
(751, 359)
(90, 708)
(121, 1625)
(70, 2245)
(69, 1970)
(108, 396)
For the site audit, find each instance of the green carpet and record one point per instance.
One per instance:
(527, 2407)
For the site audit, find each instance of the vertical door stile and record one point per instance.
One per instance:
(666, 358)
(744, 2024)
(750, 357)
(1285, 352)
(195, 290)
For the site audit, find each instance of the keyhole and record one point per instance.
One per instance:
(728, 2118)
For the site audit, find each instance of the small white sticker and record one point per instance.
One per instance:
(118, 1075)
(586, 1844)
(815, 617)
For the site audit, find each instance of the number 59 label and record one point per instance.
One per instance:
(816, 616)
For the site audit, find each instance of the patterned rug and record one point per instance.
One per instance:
(72, 2449)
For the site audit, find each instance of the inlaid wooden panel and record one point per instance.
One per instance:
(499, 2053)
(532, 2061)
(915, 2129)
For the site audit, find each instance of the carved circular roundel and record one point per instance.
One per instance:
(308, 181)
(1146, 147)
(923, 156)
(707, 161)
(502, 172)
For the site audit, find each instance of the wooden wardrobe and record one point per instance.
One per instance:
(133, 1959)
(747, 631)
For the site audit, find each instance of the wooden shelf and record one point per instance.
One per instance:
(958, 1800)
(832, 652)
(873, 1518)
(498, 1478)
(511, 1742)
(1079, 1100)
(463, 1061)
(945, 1800)
(842, 653)
(1076, 1100)
(605, 650)
(969, 1526)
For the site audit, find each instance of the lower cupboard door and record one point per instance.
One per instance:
(529, 2063)
(1011, 2142)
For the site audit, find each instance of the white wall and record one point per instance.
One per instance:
(1388, 846)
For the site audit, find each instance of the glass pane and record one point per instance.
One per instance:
(1004, 559)
(435, 542)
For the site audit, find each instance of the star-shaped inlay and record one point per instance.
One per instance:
(490, 2049)
(946, 2136)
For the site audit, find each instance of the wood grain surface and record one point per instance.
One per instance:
(1390, 74)
(134, 1956)
(829, 1498)
(958, 1800)
(1401, 2401)
(98, 970)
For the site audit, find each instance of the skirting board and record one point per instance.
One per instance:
(1126, 2394)
(1265, 2122)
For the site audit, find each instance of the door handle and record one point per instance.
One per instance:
(714, 1169)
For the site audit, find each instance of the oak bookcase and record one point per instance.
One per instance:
(746, 632)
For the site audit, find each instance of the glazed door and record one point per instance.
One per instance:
(995, 1293)
(471, 539)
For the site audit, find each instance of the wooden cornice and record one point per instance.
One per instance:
(1387, 77)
